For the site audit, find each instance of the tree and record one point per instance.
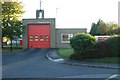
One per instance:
(93, 29)
(102, 28)
(113, 28)
(11, 13)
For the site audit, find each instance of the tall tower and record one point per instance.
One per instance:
(40, 12)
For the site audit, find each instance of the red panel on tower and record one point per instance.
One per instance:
(39, 36)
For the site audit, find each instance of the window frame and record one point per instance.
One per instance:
(69, 36)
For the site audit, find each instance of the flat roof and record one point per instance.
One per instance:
(38, 19)
(70, 28)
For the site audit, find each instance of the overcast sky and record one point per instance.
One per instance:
(74, 13)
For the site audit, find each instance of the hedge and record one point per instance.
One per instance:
(114, 42)
(107, 48)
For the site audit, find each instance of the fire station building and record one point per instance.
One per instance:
(42, 33)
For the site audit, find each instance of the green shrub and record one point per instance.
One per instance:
(82, 42)
(114, 42)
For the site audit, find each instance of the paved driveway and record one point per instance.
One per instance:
(32, 63)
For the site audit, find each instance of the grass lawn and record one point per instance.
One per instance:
(14, 49)
(67, 52)
(113, 60)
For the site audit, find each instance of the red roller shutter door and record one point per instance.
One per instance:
(39, 36)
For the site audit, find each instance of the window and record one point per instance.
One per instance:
(46, 37)
(36, 36)
(41, 38)
(65, 38)
(36, 39)
(31, 38)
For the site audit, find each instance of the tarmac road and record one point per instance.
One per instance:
(32, 63)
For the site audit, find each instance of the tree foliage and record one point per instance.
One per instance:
(93, 29)
(11, 22)
(102, 28)
(113, 28)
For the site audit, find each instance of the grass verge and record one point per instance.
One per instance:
(67, 52)
(14, 49)
(113, 60)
